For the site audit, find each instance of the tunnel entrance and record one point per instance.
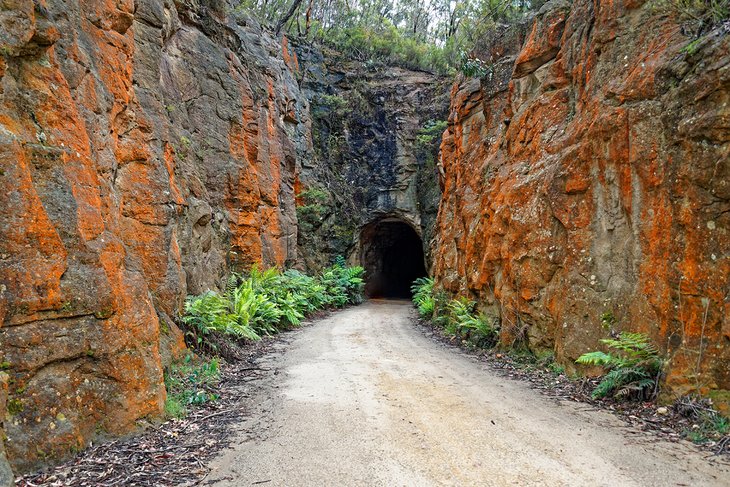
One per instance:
(392, 254)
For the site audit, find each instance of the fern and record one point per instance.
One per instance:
(423, 298)
(342, 285)
(632, 371)
(596, 358)
(463, 322)
(268, 300)
(458, 316)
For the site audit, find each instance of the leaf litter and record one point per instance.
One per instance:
(175, 452)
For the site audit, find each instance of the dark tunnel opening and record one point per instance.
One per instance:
(392, 255)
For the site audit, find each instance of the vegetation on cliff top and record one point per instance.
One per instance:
(433, 35)
(696, 16)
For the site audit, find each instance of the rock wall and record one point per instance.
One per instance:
(146, 147)
(587, 188)
(372, 153)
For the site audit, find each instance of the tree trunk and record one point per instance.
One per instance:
(309, 19)
(282, 21)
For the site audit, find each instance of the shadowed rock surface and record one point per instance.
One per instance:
(370, 160)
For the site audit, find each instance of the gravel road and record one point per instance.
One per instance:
(364, 398)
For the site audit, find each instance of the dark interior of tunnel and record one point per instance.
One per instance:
(392, 255)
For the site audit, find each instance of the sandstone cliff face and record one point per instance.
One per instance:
(587, 188)
(146, 147)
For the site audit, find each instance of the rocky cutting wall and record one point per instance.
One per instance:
(146, 147)
(587, 187)
(373, 152)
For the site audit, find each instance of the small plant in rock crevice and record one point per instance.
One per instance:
(312, 208)
(633, 367)
(473, 67)
(189, 383)
(430, 132)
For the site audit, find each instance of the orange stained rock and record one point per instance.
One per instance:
(599, 190)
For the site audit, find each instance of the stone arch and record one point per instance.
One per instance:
(391, 251)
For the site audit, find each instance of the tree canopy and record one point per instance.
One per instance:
(423, 34)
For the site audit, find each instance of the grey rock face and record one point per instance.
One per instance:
(374, 152)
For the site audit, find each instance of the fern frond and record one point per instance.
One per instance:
(596, 358)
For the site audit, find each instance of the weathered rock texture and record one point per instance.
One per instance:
(587, 188)
(372, 156)
(145, 148)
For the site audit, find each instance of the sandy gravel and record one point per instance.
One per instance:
(363, 398)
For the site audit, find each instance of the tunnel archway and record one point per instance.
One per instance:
(392, 254)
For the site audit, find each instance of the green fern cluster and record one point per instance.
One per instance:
(458, 316)
(633, 368)
(463, 321)
(267, 301)
(423, 297)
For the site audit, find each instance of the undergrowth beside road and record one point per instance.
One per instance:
(458, 317)
(190, 382)
(260, 304)
(177, 451)
(633, 367)
(628, 387)
(266, 302)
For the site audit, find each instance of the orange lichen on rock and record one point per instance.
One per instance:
(121, 194)
(598, 188)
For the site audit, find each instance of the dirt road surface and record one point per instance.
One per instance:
(364, 398)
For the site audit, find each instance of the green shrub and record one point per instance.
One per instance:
(312, 208)
(330, 105)
(473, 67)
(633, 368)
(431, 131)
(268, 301)
(188, 383)
(458, 317)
